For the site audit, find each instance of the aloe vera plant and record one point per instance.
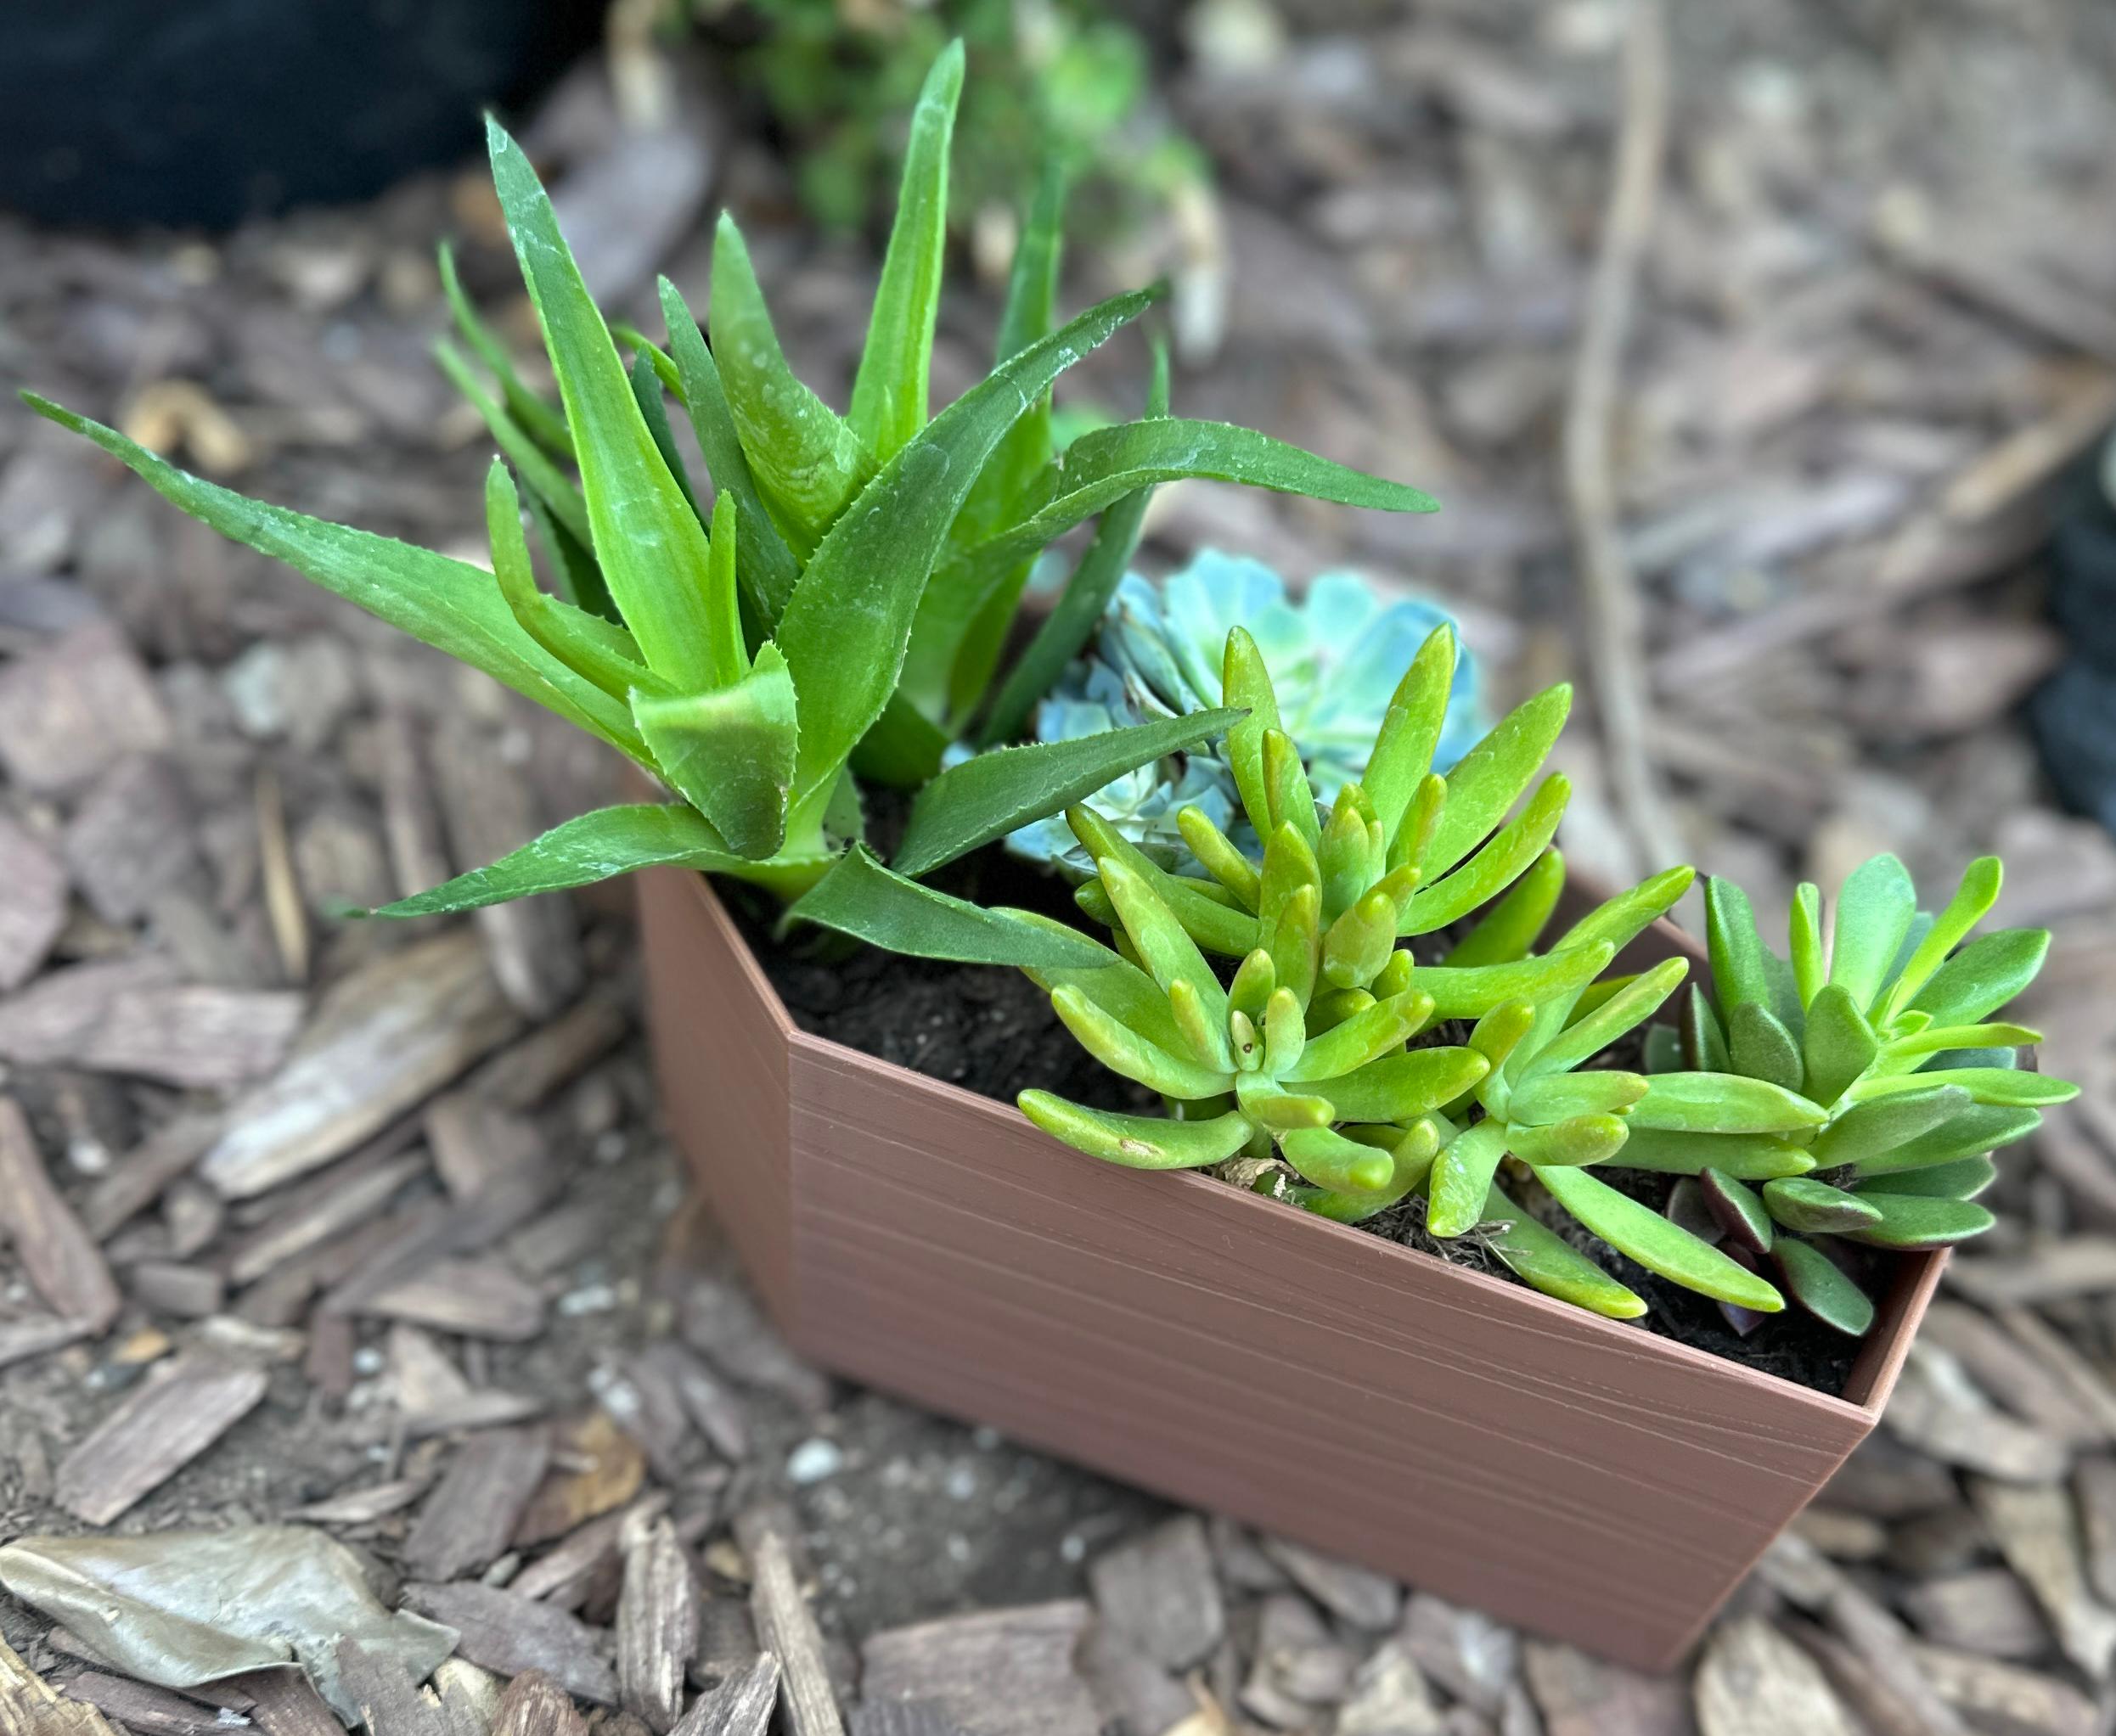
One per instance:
(834, 604)
(1878, 1049)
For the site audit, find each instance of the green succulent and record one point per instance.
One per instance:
(1300, 1072)
(1878, 1047)
(828, 612)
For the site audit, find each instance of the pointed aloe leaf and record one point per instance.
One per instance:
(1746, 1157)
(1659, 1246)
(2010, 1087)
(1474, 990)
(596, 649)
(529, 409)
(1739, 974)
(1839, 1044)
(551, 485)
(578, 580)
(1105, 465)
(1761, 1047)
(449, 604)
(888, 405)
(1331, 1161)
(1982, 976)
(1137, 1142)
(1968, 1132)
(1971, 902)
(1812, 1208)
(1509, 929)
(730, 752)
(1402, 1088)
(1461, 1178)
(1575, 1141)
(1874, 912)
(1080, 606)
(902, 748)
(809, 463)
(1543, 1260)
(646, 392)
(1030, 311)
(1410, 729)
(1914, 1220)
(1553, 1098)
(1631, 1006)
(767, 567)
(1503, 860)
(595, 846)
(990, 795)
(860, 897)
(1492, 776)
(1962, 1179)
(849, 619)
(1723, 1102)
(1819, 1284)
(1124, 1051)
(646, 538)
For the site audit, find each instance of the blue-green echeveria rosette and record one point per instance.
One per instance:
(1336, 655)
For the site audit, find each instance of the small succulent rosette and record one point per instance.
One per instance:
(1337, 654)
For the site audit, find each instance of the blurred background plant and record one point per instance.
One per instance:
(1068, 77)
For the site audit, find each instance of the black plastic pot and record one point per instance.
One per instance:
(199, 113)
(2074, 713)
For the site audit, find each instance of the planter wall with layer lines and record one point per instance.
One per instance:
(1579, 1477)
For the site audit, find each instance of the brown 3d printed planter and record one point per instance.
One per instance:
(1579, 1477)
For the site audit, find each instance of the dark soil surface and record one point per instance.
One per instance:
(993, 1032)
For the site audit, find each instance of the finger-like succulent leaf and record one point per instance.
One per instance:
(1503, 860)
(1137, 1142)
(1552, 1097)
(1746, 1157)
(1330, 1160)
(1542, 1259)
(1659, 1246)
(1964, 1178)
(1461, 1178)
(1762, 1047)
(1623, 1013)
(1741, 1215)
(1703, 1037)
(1410, 730)
(1576, 1140)
(1217, 852)
(1913, 1220)
(1723, 1102)
(2009, 1088)
(1815, 1208)
(1737, 950)
(1838, 1043)
(1867, 1130)
(1967, 1131)
(1489, 779)
(1971, 902)
(1818, 1285)
(1116, 985)
(1471, 992)
(1982, 976)
(1874, 914)
(1400, 1089)
(1122, 1050)
(1360, 941)
(1805, 951)
(1363, 1038)
(1509, 929)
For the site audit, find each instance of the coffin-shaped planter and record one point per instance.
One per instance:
(1579, 1477)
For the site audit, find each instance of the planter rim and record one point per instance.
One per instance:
(1915, 1276)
